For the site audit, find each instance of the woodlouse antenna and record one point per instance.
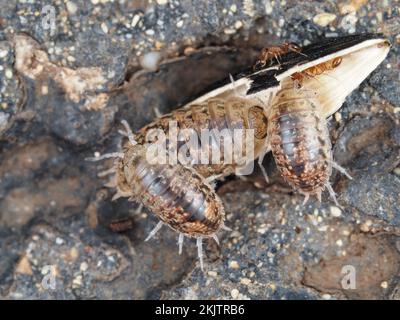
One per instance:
(107, 172)
(215, 237)
(128, 132)
(157, 112)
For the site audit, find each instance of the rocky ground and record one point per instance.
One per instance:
(70, 70)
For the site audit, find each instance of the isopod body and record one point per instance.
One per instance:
(221, 118)
(299, 140)
(177, 194)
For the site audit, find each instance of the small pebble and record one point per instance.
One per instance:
(348, 22)
(104, 27)
(235, 293)
(335, 211)
(77, 281)
(135, 20)
(238, 24)
(365, 227)
(384, 284)
(323, 19)
(3, 53)
(212, 273)
(71, 7)
(84, 266)
(44, 90)
(9, 74)
(150, 60)
(233, 264)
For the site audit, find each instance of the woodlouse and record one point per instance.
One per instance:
(220, 116)
(305, 163)
(179, 196)
(299, 139)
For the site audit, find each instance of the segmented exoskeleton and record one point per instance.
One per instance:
(177, 194)
(220, 117)
(299, 139)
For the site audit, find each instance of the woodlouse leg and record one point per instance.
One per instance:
(200, 251)
(332, 193)
(106, 156)
(341, 169)
(106, 172)
(215, 237)
(306, 197)
(112, 183)
(261, 157)
(128, 132)
(260, 161)
(154, 231)
(224, 227)
(319, 195)
(180, 242)
(139, 208)
(120, 194)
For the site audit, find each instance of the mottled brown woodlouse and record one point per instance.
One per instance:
(299, 139)
(179, 196)
(221, 118)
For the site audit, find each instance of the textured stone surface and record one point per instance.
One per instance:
(62, 102)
